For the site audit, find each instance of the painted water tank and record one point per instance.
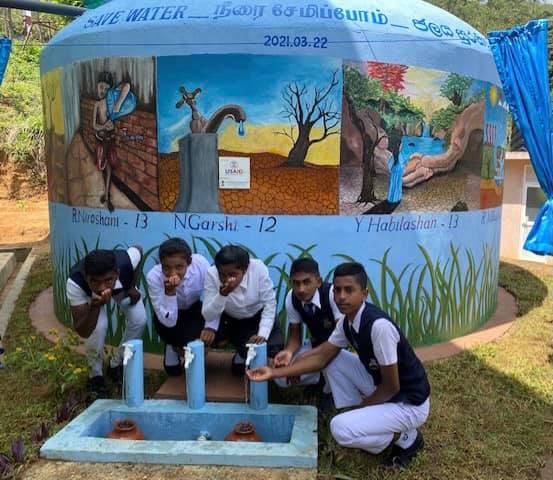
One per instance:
(349, 129)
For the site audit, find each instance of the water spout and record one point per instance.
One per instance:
(133, 373)
(259, 391)
(194, 366)
(241, 129)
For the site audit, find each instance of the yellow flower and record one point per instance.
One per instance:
(33, 337)
(77, 371)
(18, 349)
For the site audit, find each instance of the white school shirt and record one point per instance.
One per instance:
(255, 292)
(293, 315)
(188, 292)
(384, 337)
(77, 296)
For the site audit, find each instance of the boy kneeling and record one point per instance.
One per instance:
(92, 283)
(240, 304)
(386, 380)
(175, 287)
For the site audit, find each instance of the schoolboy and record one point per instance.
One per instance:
(240, 304)
(103, 275)
(175, 286)
(385, 381)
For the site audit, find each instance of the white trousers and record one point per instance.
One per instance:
(307, 379)
(369, 428)
(136, 320)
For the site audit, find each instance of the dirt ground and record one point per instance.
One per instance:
(23, 221)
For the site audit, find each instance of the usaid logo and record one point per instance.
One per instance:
(234, 168)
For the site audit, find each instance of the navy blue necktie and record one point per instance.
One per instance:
(309, 308)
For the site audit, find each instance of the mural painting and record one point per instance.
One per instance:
(276, 118)
(411, 140)
(111, 134)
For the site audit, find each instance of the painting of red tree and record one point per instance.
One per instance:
(390, 75)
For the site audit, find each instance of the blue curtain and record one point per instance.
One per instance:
(520, 55)
(5, 49)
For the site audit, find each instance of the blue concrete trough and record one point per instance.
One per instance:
(289, 434)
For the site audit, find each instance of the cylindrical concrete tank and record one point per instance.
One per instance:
(351, 129)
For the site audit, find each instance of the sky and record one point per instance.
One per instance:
(255, 82)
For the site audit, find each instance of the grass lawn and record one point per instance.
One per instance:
(491, 415)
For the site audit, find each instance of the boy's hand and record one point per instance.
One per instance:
(134, 295)
(283, 358)
(171, 284)
(207, 335)
(102, 299)
(256, 339)
(228, 286)
(261, 374)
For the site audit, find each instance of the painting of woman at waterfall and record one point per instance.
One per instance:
(412, 140)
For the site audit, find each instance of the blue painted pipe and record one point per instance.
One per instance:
(133, 373)
(259, 391)
(195, 375)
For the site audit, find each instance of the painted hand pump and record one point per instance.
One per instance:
(342, 130)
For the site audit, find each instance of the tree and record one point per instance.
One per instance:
(372, 108)
(390, 75)
(455, 88)
(306, 113)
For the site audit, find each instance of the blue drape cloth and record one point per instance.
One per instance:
(5, 49)
(520, 55)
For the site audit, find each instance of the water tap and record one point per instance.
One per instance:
(252, 352)
(188, 357)
(128, 352)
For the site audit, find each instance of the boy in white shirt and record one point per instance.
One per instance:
(92, 283)
(240, 304)
(175, 288)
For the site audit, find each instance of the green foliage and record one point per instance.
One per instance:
(21, 130)
(56, 363)
(455, 88)
(444, 118)
(367, 92)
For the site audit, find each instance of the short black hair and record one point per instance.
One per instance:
(233, 254)
(175, 246)
(106, 77)
(305, 265)
(100, 262)
(353, 269)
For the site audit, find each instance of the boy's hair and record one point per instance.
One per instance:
(175, 246)
(106, 77)
(100, 262)
(353, 269)
(305, 265)
(233, 254)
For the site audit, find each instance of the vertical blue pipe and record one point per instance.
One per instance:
(195, 376)
(259, 391)
(134, 375)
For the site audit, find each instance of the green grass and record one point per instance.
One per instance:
(26, 400)
(491, 415)
(491, 407)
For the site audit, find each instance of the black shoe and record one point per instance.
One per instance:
(97, 388)
(402, 457)
(116, 374)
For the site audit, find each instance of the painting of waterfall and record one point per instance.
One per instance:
(412, 140)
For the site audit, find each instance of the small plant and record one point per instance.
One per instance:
(57, 362)
(67, 410)
(5, 465)
(18, 451)
(41, 433)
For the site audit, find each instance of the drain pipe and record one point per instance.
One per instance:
(194, 367)
(259, 391)
(44, 7)
(133, 373)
